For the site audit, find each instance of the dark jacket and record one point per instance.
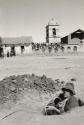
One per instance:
(70, 103)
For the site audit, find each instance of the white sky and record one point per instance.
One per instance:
(29, 17)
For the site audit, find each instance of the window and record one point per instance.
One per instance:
(68, 47)
(75, 48)
(54, 32)
(81, 42)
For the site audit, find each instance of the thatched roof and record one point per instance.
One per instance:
(24, 40)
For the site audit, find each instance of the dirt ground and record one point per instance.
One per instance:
(28, 110)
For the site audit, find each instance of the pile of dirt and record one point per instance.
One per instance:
(11, 87)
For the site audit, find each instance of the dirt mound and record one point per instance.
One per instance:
(12, 87)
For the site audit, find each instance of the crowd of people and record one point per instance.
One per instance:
(44, 46)
(56, 47)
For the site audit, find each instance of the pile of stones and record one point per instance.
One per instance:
(11, 87)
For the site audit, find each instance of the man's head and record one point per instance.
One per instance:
(68, 89)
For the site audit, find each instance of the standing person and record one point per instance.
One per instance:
(1, 52)
(64, 102)
(8, 54)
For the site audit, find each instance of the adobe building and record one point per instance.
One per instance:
(74, 41)
(21, 45)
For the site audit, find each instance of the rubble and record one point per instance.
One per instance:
(11, 87)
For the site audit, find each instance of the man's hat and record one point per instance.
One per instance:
(69, 87)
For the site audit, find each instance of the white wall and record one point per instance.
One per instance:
(79, 48)
(6, 49)
(54, 40)
(28, 49)
(18, 50)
